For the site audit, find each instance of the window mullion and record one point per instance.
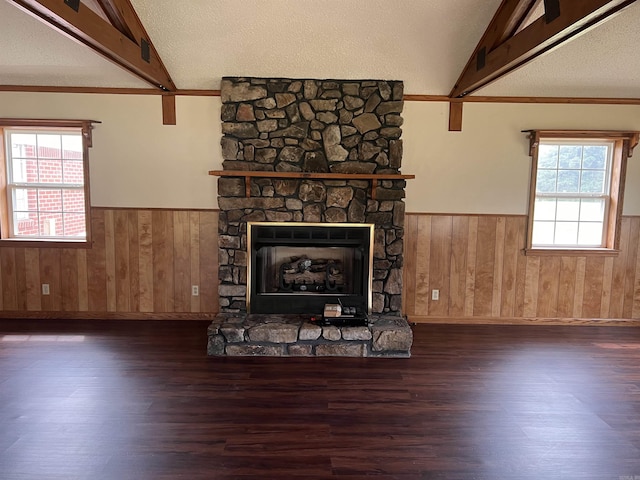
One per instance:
(49, 186)
(572, 195)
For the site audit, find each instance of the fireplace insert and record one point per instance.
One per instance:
(301, 267)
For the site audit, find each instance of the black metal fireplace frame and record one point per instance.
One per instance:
(359, 236)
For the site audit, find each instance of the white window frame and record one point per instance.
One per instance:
(606, 195)
(8, 186)
(621, 144)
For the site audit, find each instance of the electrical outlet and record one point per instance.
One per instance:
(435, 294)
(45, 289)
(195, 290)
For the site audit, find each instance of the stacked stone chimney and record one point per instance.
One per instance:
(312, 126)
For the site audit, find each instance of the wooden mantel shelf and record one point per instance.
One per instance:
(372, 177)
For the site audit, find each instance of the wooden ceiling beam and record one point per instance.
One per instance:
(116, 17)
(455, 116)
(503, 20)
(122, 13)
(124, 17)
(513, 22)
(88, 28)
(490, 62)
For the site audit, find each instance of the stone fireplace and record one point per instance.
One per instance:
(311, 161)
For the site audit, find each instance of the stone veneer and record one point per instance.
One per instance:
(296, 336)
(321, 126)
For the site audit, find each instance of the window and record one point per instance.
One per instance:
(576, 189)
(45, 194)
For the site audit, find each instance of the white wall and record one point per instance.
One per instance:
(135, 160)
(485, 168)
(138, 162)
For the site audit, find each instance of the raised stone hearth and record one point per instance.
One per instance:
(297, 336)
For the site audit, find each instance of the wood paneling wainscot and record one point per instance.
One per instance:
(142, 265)
(478, 264)
(144, 262)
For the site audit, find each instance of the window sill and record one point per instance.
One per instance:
(32, 243)
(569, 252)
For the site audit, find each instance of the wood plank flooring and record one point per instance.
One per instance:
(140, 400)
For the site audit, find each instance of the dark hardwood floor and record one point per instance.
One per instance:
(140, 400)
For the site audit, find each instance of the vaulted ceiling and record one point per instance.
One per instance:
(426, 43)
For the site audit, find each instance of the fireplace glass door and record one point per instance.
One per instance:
(300, 267)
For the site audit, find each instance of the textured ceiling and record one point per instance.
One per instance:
(423, 42)
(426, 43)
(31, 53)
